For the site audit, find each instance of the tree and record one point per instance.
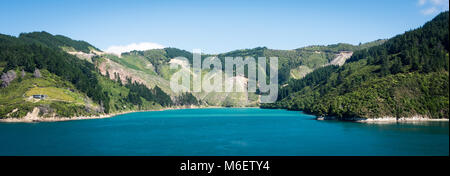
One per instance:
(385, 66)
(397, 66)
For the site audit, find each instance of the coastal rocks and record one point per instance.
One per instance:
(326, 118)
(386, 119)
(13, 111)
(33, 115)
(416, 118)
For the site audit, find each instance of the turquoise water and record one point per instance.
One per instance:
(226, 131)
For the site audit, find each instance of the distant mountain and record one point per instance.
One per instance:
(151, 67)
(406, 76)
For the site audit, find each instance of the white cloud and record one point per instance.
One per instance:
(429, 11)
(433, 6)
(118, 50)
(422, 2)
(439, 2)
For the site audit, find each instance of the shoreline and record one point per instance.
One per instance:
(32, 117)
(385, 119)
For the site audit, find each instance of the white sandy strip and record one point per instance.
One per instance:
(403, 119)
(416, 118)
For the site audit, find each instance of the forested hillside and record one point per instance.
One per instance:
(152, 67)
(404, 77)
(56, 41)
(38, 64)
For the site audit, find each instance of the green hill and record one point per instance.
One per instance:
(152, 67)
(404, 77)
(73, 87)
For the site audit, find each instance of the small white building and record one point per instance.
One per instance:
(40, 97)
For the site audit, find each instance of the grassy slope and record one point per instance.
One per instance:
(304, 60)
(145, 65)
(61, 99)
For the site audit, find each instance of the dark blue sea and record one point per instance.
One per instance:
(223, 132)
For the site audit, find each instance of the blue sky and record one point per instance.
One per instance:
(218, 26)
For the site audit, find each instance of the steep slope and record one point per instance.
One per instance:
(152, 68)
(148, 67)
(38, 64)
(405, 77)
